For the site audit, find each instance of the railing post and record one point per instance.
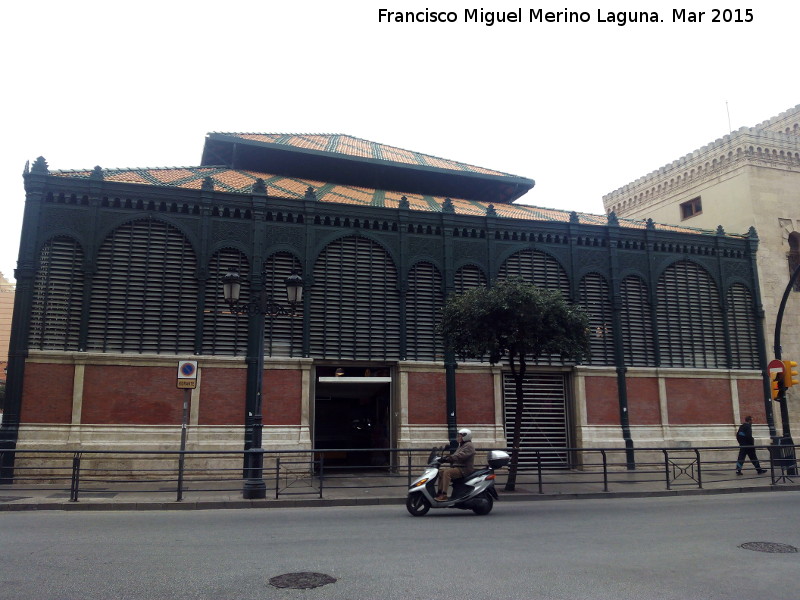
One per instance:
(605, 470)
(408, 470)
(321, 473)
(666, 466)
(771, 466)
(539, 470)
(180, 474)
(278, 475)
(699, 469)
(76, 477)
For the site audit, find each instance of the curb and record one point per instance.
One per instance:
(379, 501)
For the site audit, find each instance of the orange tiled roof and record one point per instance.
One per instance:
(356, 147)
(237, 181)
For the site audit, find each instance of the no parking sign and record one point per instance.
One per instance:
(187, 374)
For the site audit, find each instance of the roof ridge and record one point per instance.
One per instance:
(371, 143)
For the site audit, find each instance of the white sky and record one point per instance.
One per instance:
(582, 108)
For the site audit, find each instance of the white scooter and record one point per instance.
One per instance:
(474, 492)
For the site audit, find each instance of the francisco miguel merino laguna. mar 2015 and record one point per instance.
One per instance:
(538, 15)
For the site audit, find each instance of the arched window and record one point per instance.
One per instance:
(537, 268)
(225, 333)
(742, 324)
(594, 298)
(354, 302)
(637, 323)
(689, 318)
(541, 270)
(57, 297)
(284, 333)
(423, 301)
(467, 277)
(144, 292)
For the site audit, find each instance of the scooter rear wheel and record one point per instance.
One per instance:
(484, 505)
(417, 504)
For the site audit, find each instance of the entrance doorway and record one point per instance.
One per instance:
(352, 415)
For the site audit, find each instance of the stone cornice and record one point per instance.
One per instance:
(746, 146)
(787, 122)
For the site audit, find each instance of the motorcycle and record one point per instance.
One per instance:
(474, 492)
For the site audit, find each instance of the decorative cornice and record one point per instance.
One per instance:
(746, 146)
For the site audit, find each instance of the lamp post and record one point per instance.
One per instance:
(254, 486)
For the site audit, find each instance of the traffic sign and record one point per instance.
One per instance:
(187, 374)
(775, 367)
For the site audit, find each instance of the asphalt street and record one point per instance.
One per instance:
(644, 548)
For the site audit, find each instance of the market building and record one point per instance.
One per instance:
(120, 276)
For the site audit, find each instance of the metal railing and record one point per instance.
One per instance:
(74, 474)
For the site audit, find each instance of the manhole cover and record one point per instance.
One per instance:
(768, 547)
(301, 581)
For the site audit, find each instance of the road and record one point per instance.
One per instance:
(651, 548)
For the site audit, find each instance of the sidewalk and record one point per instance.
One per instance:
(351, 491)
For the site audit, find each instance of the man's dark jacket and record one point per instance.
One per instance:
(745, 435)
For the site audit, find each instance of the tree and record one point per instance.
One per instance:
(516, 320)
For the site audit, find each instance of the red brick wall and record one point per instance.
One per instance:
(699, 401)
(222, 396)
(751, 399)
(426, 398)
(282, 397)
(131, 395)
(643, 405)
(475, 398)
(47, 393)
(602, 401)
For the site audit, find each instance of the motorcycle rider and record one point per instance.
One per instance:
(463, 461)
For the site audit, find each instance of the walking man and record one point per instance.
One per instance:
(746, 446)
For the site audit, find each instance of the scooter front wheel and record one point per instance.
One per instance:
(417, 504)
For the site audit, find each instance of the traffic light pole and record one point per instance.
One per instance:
(778, 322)
(785, 380)
(781, 308)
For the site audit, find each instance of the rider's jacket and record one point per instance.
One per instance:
(464, 457)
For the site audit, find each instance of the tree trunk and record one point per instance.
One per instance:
(516, 436)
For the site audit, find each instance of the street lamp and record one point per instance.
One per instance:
(254, 486)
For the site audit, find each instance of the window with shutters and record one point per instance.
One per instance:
(283, 333)
(423, 302)
(467, 277)
(354, 302)
(689, 318)
(594, 298)
(637, 323)
(57, 297)
(225, 333)
(537, 268)
(541, 270)
(144, 292)
(742, 326)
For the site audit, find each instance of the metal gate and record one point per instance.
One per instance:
(545, 419)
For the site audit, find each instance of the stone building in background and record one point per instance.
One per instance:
(749, 178)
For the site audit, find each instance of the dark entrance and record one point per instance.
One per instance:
(352, 416)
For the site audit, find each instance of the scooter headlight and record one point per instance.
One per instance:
(422, 481)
